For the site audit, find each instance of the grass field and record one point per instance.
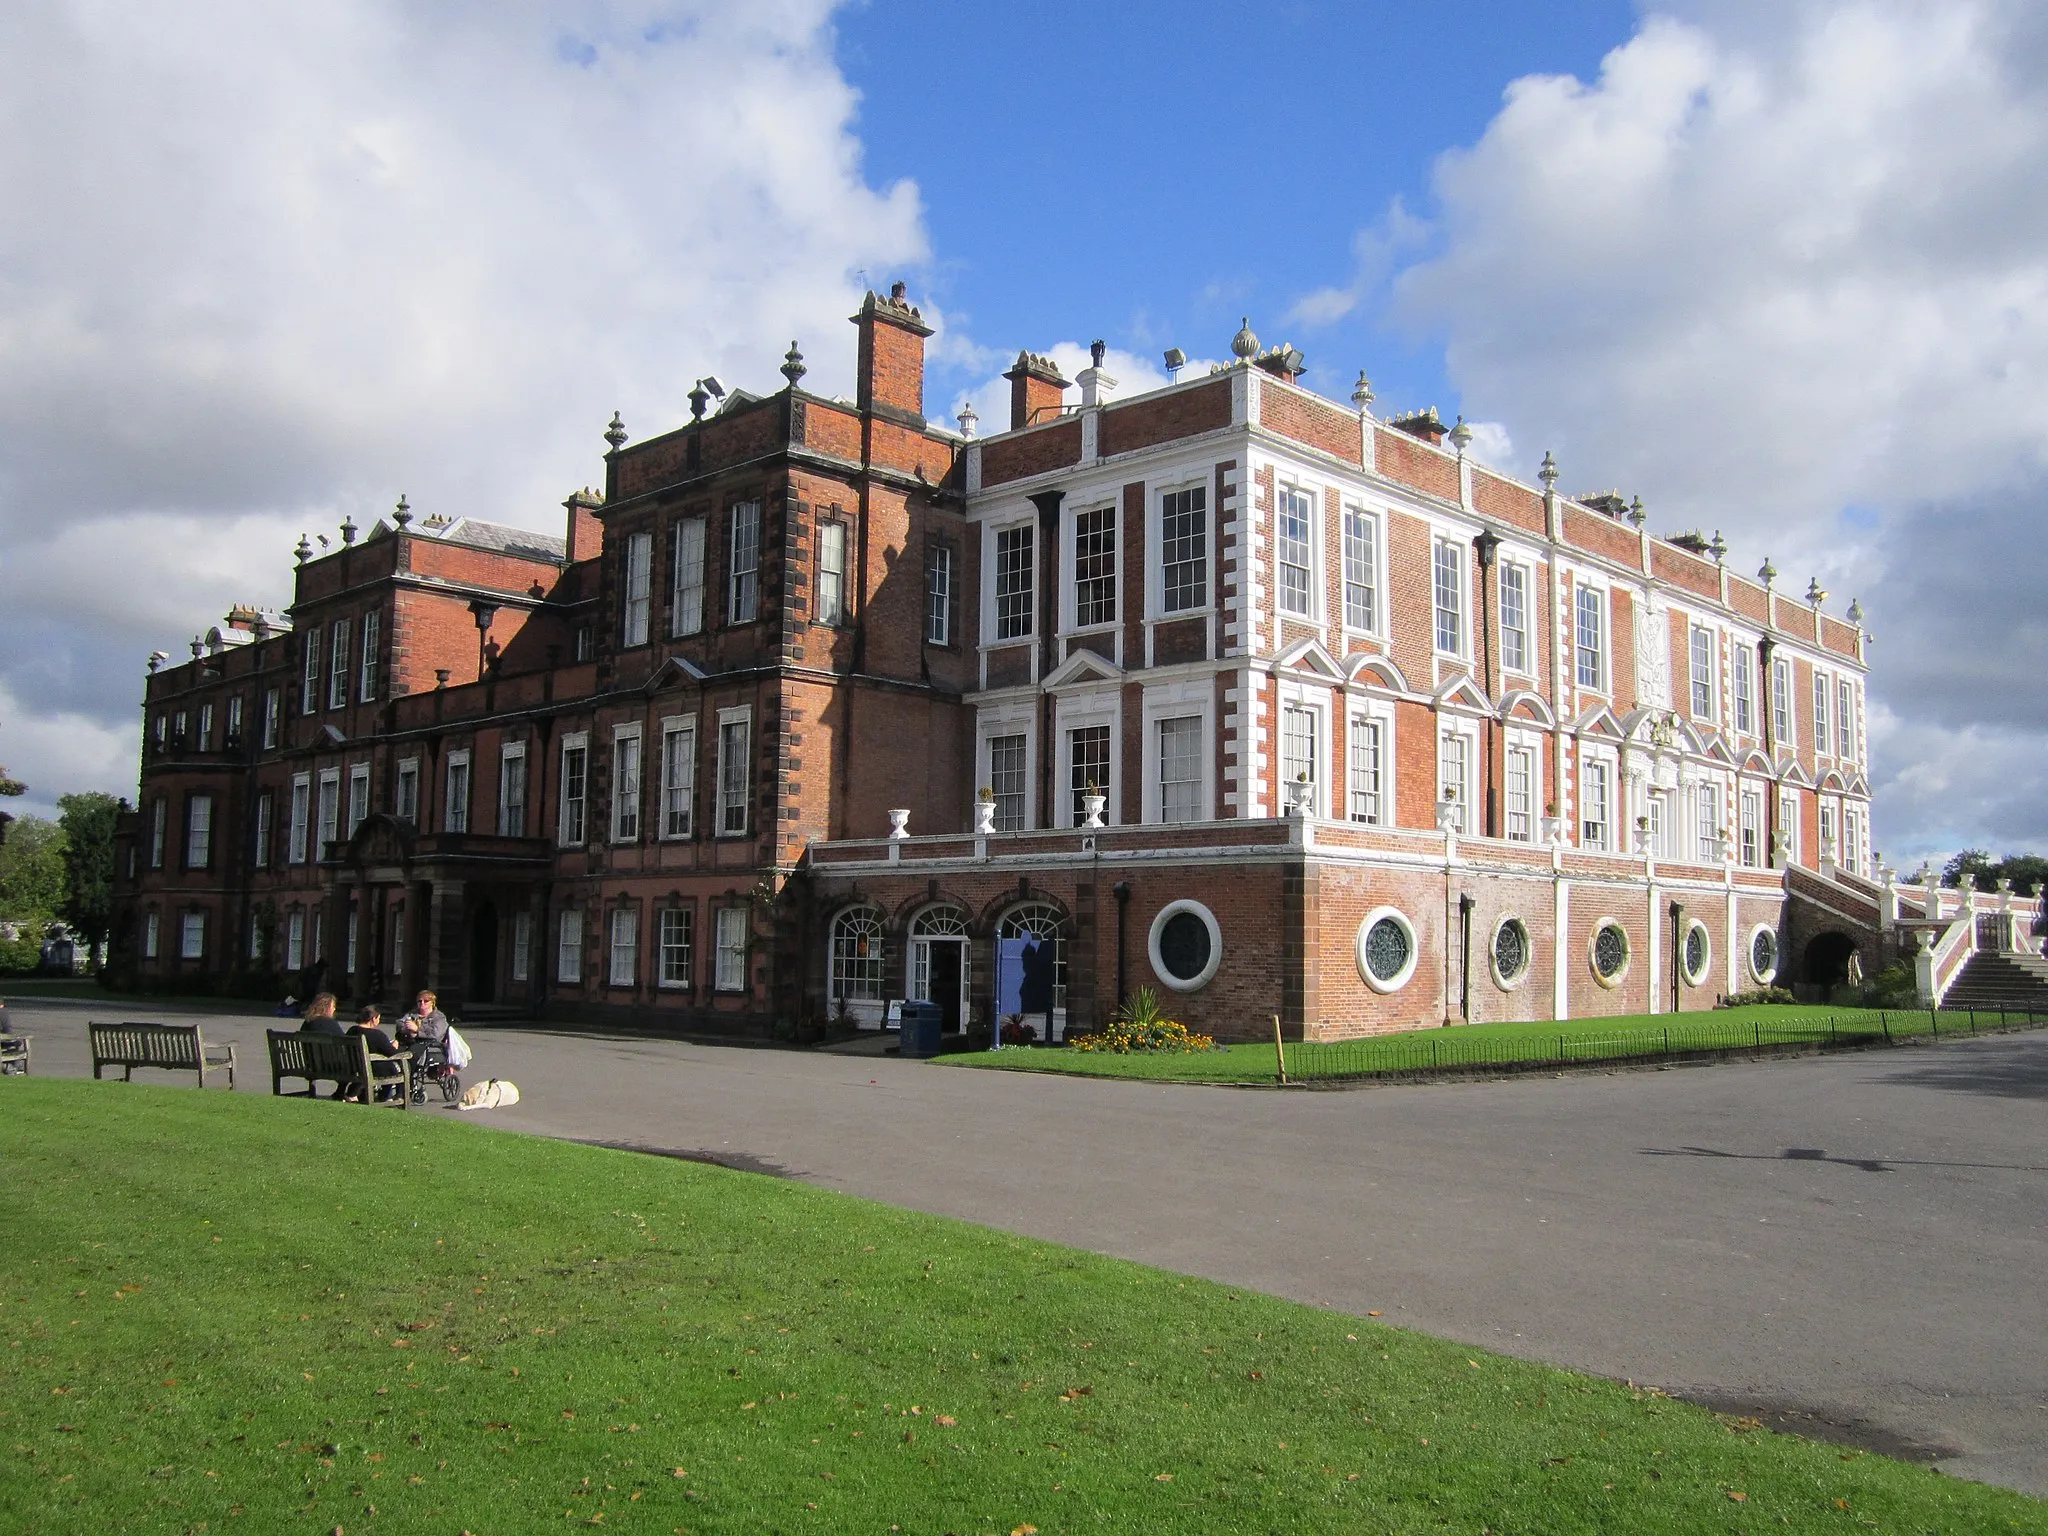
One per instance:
(226, 1312)
(1574, 1043)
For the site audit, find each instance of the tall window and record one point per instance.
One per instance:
(678, 777)
(1788, 822)
(1596, 813)
(734, 775)
(1180, 768)
(405, 803)
(1828, 845)
(1298, 753)
(1453, 778)
(512, 792)
(831, 573)
(294, 939)
(522, 946)
(366, 672)
(199, 832)
(1845, 717)
(686, 577)
(1781, 700)
(1852, 838)
(938, 595)
(1367, 770)
(1006, 756)
(302, 801)
(677, 936)
(358, 796)
(350, 931)
(234, 737)
(455, 810)
(569, 825)
(743, 588)
(626, 788)
(1745, 681)
(1591, 637)
(1521, 796)
(729, 965)
(337, 665)
(192, 937)
(1095, 567)
(206, 727)
(1014, 581)
(259, 841)
(569, 947)
(329, 810)
(1707, 805)
(156, 835)
(1752, 828)
(1514, 616)
(638, 592)
(856, 956)
(1297, 581)
(625, 948)
(273, 709)
(1087, 766)
(1702, 672)
(1361, 570)
(309, 680)
(1184, 549)
(150, 921)
(1820, 712)
(1449, 591)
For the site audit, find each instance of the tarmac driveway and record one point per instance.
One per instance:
(1855, 1246)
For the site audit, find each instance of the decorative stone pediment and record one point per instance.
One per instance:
(1081, 668)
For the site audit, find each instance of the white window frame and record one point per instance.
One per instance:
(1788, 821)
(1522, 659)
(234, 730)
(939, 578)
(735, 789)
(302, 818)
(622, 947)
(743, 562)
(405, 795)
(358, 796)
(152, 934)
(1602, 649)
(1193, 699)
(1746, 681)
(1707, 813)
(1162, 589)
(687, 544)
(636, 589)
(206, 727)
(729, 930)
(1311, 505)
(1751, 850)
(522, 946)
(678, 778)
(1367, 578)
(259, 841)
(327, 811)
(367, 664)
(1457, 741)
(830, 606)
(294, 939)
(1597, 834)
(569, 947)
(1519, 823)
(158, 833)
(1361, 752)
(993, 724)
(684, 918)
(337, 664)
(199, 832)
(628, 764)
(1078, 711)
(1317, 701)
(510, 753)
(309, 676)
(1783, 704)
(273, 710)
(1845, 720)
(192, 936)
(1706, 696)
(572, 810)
(1823, 689)
(454, 806)
(1448, 554)
(1110, 581)
(994, 631)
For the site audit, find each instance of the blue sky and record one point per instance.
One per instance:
(1150, 173)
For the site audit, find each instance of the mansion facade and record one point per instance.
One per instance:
(1282, 708)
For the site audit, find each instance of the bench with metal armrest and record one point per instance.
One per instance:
(170, 1047)
(344, 1060)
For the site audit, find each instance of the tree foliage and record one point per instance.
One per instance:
(32, 882)
(88, 823)
(2026, 871)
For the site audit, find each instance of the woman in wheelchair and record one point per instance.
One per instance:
(424, 1032)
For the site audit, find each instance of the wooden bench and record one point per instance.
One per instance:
(173, 1047)
(338, 1059)
(14, 1052)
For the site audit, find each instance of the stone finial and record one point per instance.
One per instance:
(1719, 547)
(348, 529)
(1548, 472)
(1244, 346)
(1461, 436)
(1855, 612)
(793, 367)
(615, 434)
(198, 645)
(304, 550)
(1816, 594)
(157, 659)
(441, 676)
(1637, 513)
(967, 418)
(1767, 573)
(402, 513)
(1361, 393)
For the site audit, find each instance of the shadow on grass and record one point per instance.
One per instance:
(738, 1162)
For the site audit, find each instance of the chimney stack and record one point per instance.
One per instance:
(585, 531)
(1036, 390)
(891, 365)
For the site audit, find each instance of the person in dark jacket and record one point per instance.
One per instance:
(369, 1027)
(320, 1019)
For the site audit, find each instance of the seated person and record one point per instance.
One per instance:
(320, 1019)
(426, 1022)
(370, 1027)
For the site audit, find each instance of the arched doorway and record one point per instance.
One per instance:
(483, 953)
(938, 963)
(1827, 959)
(1031, 968)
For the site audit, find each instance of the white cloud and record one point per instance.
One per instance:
(1134, 375)
(1784, 271)
(264, 266)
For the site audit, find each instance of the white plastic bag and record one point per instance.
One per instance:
(458, 1050)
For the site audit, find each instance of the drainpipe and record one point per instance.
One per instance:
(1465, 906)
(1767, 701)
(1048, 594)
(1677, 954)
(1487, 544)
(1122, 892)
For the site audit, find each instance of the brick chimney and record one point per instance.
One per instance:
(585, 533)
(891, 365)
(1425, 424)
(1036, 389)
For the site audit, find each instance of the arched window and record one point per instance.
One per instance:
(1040, 920)
(943, 929)
(856, 956)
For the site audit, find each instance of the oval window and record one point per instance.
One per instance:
(1386, 949)
(1510, 951)
(1185, 945)
(1699, 952)
(1610, 953)
(1763, 954)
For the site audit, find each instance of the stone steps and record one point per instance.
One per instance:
(2000, 983)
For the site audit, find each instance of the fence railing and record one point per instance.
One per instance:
(1431, 1052)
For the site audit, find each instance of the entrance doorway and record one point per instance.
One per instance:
(483, 953)
(1827, 959)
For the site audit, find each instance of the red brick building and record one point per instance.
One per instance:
(1224, 688)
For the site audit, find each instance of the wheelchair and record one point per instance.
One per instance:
(430, 1065)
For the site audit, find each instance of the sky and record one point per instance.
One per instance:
(1777, 268)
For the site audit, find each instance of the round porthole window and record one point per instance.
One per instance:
(1185, 945)
(1386, 949)
(1510, 952)
(1610, 953)
(1763, 954)
(1698, 954)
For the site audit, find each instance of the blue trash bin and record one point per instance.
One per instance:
(921, 1025)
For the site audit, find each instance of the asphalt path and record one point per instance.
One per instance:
(1851, 1246)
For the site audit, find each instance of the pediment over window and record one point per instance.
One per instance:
(1717, 749)
(1832, 780)
(1461, 692)
(1754, 761)
(1310, 656)
(1520, 704)
(330, 736)
(1789, 772)
(1599, 721)
(1369, 669)
(676, 672)
(1081, 668)
(1858, 785)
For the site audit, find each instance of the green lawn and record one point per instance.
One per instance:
(224, 1312)
(1573, 1043)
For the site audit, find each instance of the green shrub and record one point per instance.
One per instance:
(22, 956)
(1141, 1025)
(1755, 996)
(1895, 986)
